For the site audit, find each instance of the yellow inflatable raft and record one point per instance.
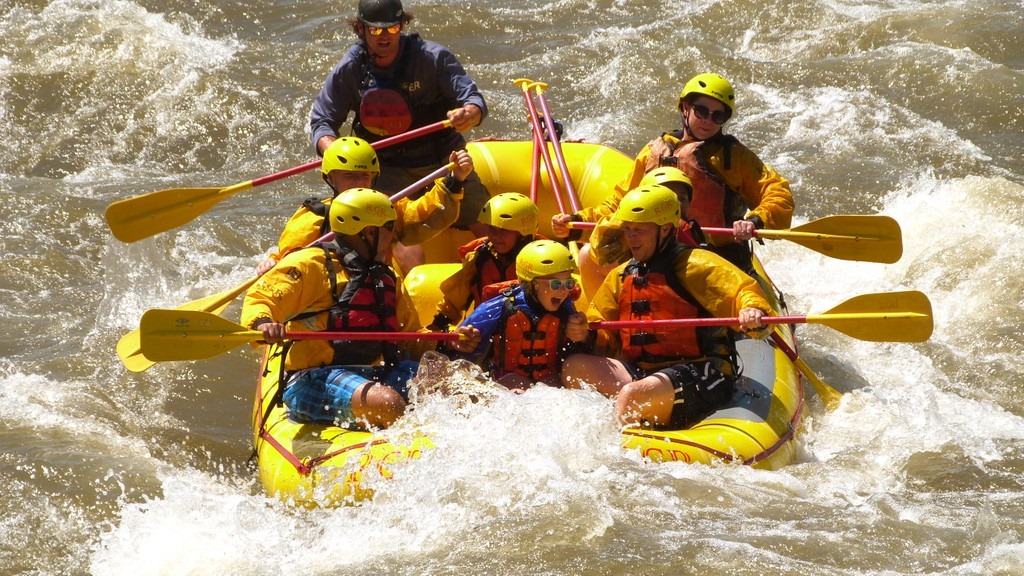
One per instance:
(757, 428)
(315, 464)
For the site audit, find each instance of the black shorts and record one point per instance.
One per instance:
(700, 389)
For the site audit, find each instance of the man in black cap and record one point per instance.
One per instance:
(394, 82)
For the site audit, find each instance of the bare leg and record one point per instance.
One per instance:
(607, 376)
(377, 405)
(649, 399)
(515, 382)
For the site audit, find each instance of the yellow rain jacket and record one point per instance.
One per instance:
(764, 192)
(418, 220)
(718, 286)
(298, 284)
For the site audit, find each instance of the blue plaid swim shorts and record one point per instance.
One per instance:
(325, 394)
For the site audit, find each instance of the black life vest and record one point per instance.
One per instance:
(367, 303)
(317, 206)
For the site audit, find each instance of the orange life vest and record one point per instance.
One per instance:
(651, 291)
(709, 205)
(714, 203)
(489, 269)
(526, 343)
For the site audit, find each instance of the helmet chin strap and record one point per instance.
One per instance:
(662, 242)
(686, 124)
(530, 292)
(689, 132)
(373, 247)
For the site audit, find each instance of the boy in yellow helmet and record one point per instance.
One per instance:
(352, 163)
(526, 331)
(511, 220)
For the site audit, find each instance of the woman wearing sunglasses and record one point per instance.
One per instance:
(528, 330)
(732, 187)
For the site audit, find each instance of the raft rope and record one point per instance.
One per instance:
(303, 467)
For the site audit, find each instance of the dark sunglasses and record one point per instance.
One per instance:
(558, 283)
(718, 116)
(374, 31)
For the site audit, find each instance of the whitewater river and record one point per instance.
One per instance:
(907, 108)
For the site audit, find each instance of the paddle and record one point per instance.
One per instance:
(187, 335)
(538, 138)
(863, 238)
(570, 190)
(419, 184)
(882, 317)
(556, 144)
(829, 395)
(133, 219)
(129, 348)
(860, 238)
(538, 141)
(535, 168)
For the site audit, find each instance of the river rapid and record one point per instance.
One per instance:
(907, 108)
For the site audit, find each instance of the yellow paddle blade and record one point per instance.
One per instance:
(882, 317)
(133, 219)
(144, 216)
(129, 350)
(187, 335)
(862, 238)
(129, 347)
(829, 395)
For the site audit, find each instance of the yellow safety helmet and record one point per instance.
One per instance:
(351, 155)
(666, 176)
(649, 203)
(511, 211)
(711, 85)
(357, 208)
(543, 258)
